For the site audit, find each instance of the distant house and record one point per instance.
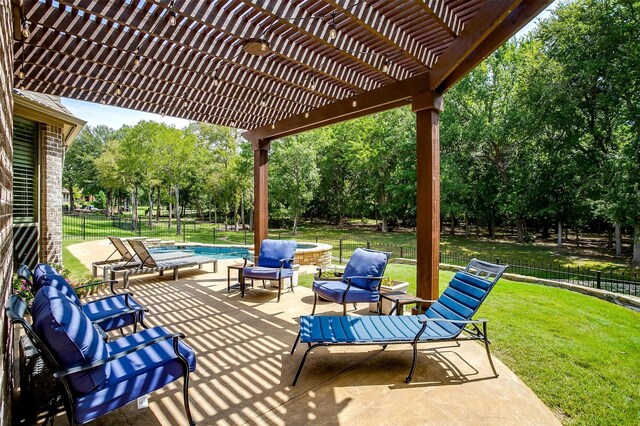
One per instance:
(66, 197)
(42, 129)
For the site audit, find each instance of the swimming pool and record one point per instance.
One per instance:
(216, 252)
(306, 253)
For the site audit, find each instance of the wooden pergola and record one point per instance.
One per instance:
(272, 67)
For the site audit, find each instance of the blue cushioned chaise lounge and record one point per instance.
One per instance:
(445, 320)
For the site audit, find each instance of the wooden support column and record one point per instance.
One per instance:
(260, 192)
(427, 107)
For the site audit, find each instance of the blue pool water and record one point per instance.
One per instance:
(217, 252)
(214, 252)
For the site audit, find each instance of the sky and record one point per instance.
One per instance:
(96, 114)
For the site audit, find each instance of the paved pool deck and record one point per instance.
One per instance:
(245, 371)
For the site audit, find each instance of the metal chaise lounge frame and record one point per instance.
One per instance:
(127, 259)
(150, 265)
(478, 278)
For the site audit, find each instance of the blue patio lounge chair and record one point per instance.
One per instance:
(128, 259)
(150, 263)
(446, 319)
(360, 282)
(111, 312)
(96, 377)
(275, 262)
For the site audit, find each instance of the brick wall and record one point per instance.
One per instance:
(6, 199)
(51, 152)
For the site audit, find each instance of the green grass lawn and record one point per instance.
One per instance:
(69, 261)
(579, 354)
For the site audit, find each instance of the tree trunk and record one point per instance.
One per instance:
(170, 214)
(242, 211)
(158, 206)
(545, 230)
(178, 222)
(452, 217)
(559, 233)
(466, 225)
(72, 202)
(294, 231)
(150, 206)
(520, 230)
(636, 244)
(577, 237)
(618, 238)
(478, 227)
(134, 208)
(384, 225)
(108, 206)
(236, 225)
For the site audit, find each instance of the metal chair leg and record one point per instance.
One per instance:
(486, 346)
(279, 288)
(185, 386)
(344, 309)
(304, 358)
(295, 343)
(315, 302)
(413, 364)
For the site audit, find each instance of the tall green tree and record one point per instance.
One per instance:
(79, 170)
(293, 176)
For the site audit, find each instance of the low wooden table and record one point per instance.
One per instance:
(399, 300)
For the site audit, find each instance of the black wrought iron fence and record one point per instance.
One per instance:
(88, 226)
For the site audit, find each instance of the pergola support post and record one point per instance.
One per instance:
(260, 192)
(427, 107)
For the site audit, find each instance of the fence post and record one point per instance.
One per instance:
(340, 257)
(401, 252)
(316, 238)
(368, 245)
(497, 260)
(84, 227)
(598, 279)
(214, 234)
(184, 232)
(139, 226)
(245, 236)
(279, 236)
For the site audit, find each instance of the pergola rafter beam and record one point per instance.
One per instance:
(140, 20)
(292, 16)
(379, 99)
(125, 101)
(219, 19)
(384, 29)
(183, 81)
(442, 13)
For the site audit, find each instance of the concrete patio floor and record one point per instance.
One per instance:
(245, 371)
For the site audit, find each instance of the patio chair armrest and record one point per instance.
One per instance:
(282, 262)
(478, 321)
(365, 277)
(118, 315)
(110, 282)
(77, 369)
(247, 260)
(127, 299)
(338, 271)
